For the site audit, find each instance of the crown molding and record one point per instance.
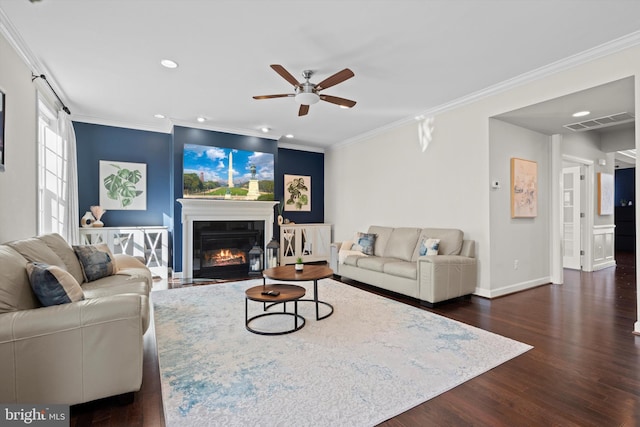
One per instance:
(208, 126)
(605, 49)
(11, 34)
(17, 42)
(299, 147)
(163, 125)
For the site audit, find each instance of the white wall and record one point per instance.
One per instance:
(618, 140)
(386, 179)
(586, 145)
(524, 241)
(18, 183)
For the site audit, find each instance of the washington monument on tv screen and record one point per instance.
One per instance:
(230, 179)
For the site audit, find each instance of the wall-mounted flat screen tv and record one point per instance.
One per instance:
(227, 173)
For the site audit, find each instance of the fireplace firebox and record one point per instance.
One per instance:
(221, 248)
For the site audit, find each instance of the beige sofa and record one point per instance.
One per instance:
(74, 352)
(396, 264)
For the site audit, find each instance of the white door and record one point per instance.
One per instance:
(571, 238)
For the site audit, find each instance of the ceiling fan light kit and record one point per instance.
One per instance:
(307, 93)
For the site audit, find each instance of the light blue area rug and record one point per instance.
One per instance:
(373, 359)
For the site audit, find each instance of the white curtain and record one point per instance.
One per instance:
(72, 216)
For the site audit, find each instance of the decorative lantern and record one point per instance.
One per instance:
(273, 253)
(255, 260)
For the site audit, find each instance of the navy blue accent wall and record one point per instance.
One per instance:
(182, 136)
(99, 142)
(295, 162)
(162, 154)
(625, 185)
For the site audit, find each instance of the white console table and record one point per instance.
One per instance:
(150, 243)
(311, 242)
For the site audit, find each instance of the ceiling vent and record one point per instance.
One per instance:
(601, 122)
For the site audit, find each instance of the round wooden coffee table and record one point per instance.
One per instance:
(286, 293)
(310, 272)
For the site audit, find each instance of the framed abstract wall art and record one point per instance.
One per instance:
(123, 186)
(524, 188)
(605, 193)
(297, 193)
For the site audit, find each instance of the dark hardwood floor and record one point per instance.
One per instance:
(584, 369)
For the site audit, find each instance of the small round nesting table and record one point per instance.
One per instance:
(310, 272)
(288, 293)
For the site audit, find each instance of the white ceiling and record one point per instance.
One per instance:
(408, 56)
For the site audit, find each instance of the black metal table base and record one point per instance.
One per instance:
(296, 316)
(315, 299)
(309, 300)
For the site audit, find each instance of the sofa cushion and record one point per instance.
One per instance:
(429, 246)
(15, 290)
(34, 249)
(450, 240)
(345, 250)
(53, 285)
(406, 269)
(115, 285)
(402, 243)
(96, 261)
(383, 234)
(375, 263)
(59, 245)
(365, 243)
(353, 259)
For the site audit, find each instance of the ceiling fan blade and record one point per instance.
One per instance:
(338, 101)
(304, 109)
(338, 77)
(281, 95)
(285, 74)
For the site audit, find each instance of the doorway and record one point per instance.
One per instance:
(572, 215)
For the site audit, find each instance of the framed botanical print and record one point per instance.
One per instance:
(123, 185)
(297, 193)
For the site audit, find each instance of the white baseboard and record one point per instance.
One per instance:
(606, 264)
(516, 287)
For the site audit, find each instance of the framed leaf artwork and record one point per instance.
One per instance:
(123, 185)
(297, 193)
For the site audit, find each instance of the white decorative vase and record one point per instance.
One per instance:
(87, 220)
(97, 223)
(299, 267)
(280, 220)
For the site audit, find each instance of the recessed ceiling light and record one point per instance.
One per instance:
(168, 63)
(201, 119)
(289, 136)
(159, 116)
(581, 113)
(265, 129)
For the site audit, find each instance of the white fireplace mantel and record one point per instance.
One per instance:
(221, 210)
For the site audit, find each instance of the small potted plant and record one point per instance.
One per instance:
(299, 264)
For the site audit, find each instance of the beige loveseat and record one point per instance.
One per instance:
(396, 263)
(74, 352)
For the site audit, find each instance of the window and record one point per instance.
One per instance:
(53, 158)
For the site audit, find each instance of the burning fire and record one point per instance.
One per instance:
(224, 257)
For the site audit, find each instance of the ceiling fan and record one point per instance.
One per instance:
(308, 93)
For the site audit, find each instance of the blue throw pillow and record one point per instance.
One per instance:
(96, 261)
(53, 285)
(366, 241)
(429, 246)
